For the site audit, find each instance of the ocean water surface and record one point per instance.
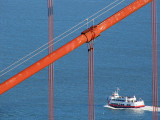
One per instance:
(123, 58)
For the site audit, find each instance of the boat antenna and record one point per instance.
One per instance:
(118, 89)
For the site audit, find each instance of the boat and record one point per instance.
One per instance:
(117, 101)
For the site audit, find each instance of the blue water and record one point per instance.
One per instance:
(123, 59)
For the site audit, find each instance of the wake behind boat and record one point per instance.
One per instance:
(124, 102)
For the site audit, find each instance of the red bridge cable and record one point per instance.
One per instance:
(153, 83)
(48, 4)
(156, 90)
(91, 79)
(52, 70)
(154, 63)
(93, 70)
(154, 60)
(52, 63)
(154, 105)
(51, 67)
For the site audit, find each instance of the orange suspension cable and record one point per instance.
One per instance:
(72, 45)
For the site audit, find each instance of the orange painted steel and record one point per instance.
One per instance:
(86, 36)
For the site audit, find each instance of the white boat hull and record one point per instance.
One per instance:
(124, 102)
(123, 106)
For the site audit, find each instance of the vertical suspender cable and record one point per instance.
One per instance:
(153, 79)
(156, 82)
(48, 1)
(93, 73)
(91, 76)
(154, 63)
(152, 57)
(154, 60)
(91, 80)
(51, 66)
(51, 50)
(88, 45)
